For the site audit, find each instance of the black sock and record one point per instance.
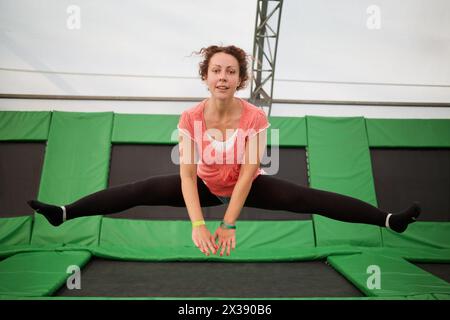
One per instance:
(54, 214)
(399, 222)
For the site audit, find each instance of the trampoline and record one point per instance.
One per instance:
(279, 254)
(237, 280)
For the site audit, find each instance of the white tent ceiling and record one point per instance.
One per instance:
(143, 48)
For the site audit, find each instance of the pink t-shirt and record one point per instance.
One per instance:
(219, 162)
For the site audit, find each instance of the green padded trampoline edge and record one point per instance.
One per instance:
(192, 253)
(384, 275)
(16, 230)
(24, 125)
(38, 273)
(339, 161)
(381, 132)
(408, 133)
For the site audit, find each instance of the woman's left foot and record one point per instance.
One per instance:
(399, 222)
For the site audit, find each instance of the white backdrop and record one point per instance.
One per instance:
(328, 51)
(143, 48)
(132, 48)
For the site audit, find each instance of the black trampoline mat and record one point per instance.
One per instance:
(20, 173)
(404, 175)
(440, 270)
(133, 162)
(113, 278)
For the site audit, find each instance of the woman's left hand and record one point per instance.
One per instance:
(226, 240)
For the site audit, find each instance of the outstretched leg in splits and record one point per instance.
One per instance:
(163, 190)
(267, 192)
(272, 193)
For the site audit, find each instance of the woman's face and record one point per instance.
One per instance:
(223, 75)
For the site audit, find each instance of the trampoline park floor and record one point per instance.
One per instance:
(114, 278)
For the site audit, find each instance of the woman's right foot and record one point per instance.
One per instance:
(54, 214)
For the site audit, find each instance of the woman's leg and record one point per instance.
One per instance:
(272, 193)
(164, 190)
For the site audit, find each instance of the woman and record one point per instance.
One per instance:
(221, 141)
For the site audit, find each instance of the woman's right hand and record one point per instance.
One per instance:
(204, 240)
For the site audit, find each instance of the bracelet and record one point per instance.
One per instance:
(198, 223)
(225, 225)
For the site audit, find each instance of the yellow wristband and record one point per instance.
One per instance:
(198, 223)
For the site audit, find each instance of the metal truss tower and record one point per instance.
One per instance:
(267, 27)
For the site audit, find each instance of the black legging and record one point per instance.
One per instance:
(267, 192)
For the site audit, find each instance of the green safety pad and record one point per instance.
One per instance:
(439, 296)
(421, 234)
(162, 129)
(21, 125)
(35, 274)
(8, 251)
(76, 164)
(421, 255)
(407, 253)
(15, 231)
(408, 132)
(80, 231)
(397, 277)
(339, 161)
(290, 131)
(145, 128)
(166, 240)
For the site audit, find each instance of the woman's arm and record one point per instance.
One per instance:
(254, 150)
(188, 175)
(201, 236)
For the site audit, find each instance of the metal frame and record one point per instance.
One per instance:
(197, 99)
(268, 14)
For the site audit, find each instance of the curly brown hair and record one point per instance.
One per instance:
(236, 52)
